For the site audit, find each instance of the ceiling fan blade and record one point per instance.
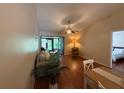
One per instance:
(74, 31)
(64, 33)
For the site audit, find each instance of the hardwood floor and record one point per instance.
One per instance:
(72, 78)
(118, 65)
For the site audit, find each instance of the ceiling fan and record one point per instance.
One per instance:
(69, 29)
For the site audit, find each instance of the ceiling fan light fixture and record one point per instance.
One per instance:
(69, 31)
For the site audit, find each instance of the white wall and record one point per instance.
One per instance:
(97, 38)
(17, 45)
(118, 39)
(45, 33)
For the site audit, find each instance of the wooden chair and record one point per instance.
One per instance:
(88, 64)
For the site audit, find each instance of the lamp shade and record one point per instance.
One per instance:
(74, 41)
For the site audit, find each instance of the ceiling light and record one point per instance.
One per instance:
(69, 30)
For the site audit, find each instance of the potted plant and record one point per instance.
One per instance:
(51, 69)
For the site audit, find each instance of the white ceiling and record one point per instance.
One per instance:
(54, 17)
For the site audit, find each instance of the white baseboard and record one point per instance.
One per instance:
(102, 64)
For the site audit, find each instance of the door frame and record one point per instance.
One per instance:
(111, 45)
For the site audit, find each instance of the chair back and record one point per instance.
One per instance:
(88, 64)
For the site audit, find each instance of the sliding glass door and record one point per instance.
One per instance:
(53, 43)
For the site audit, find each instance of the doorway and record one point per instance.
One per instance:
(117, 54)
(52, 43)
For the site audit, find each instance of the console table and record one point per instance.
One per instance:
(110, 79)
(75, 51)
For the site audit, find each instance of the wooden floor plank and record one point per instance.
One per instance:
(118, 65)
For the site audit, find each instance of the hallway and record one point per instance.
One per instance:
(23, 24)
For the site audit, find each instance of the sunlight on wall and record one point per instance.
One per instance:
(25, 45)
(29, 47)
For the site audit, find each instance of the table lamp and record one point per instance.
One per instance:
(74, 41)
